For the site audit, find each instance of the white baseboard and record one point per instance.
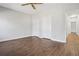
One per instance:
(13, 38)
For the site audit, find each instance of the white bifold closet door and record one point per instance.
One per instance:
(41, 26)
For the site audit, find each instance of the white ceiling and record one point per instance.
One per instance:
(17, 6)
(41, 7)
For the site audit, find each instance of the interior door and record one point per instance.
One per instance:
(73, 27)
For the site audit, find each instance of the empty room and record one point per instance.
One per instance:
(39, 29)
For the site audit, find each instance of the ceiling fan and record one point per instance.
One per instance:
(32, 4)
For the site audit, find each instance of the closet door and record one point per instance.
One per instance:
(46, 27)
(36, 25)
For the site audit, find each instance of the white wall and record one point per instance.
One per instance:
(50, 23)
(51, 20)
(77, 25)
(14, 24)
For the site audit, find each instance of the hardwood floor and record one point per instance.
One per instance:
(73, 44)
(35, 46)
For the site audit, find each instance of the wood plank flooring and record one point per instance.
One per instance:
(35, 46)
